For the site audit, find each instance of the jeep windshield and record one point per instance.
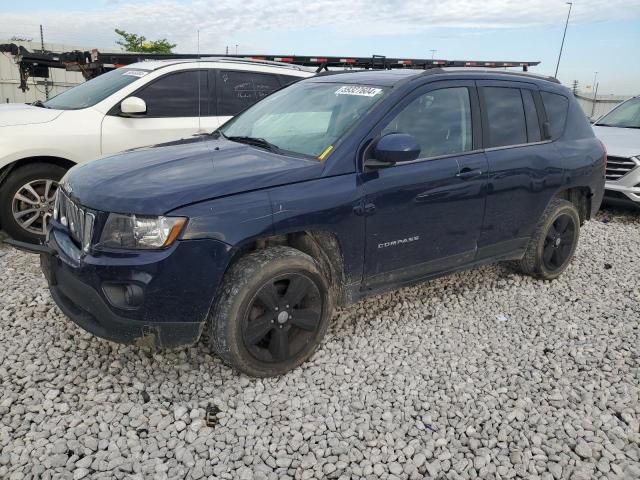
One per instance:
(305, 119)
(627, 115)
(95, 90)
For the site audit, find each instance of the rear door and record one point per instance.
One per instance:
(179, 105)
(524, 168)
(239, 89)
(425, 216)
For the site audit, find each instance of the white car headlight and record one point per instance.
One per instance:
(140, 232)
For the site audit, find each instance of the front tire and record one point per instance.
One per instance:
(26, 200)
(554, 242)
(272, 314)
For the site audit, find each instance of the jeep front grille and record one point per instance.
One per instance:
(79, 221)
(618, 167)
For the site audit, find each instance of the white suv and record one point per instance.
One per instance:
(142, 104)
(619, 130)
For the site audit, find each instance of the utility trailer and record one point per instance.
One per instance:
(93, 63)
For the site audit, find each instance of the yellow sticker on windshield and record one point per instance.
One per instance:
(326, 152)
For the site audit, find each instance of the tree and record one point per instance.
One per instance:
(139, 43)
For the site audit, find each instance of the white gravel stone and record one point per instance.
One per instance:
(584, 450)
(421, 382)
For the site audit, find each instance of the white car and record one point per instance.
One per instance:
(619, 130)
(145, 103)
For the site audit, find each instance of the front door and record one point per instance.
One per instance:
(425, 216)
(178, 106)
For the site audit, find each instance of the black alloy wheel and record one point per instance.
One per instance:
(283, 317)
(272, 312)
(553, 243)
(558, 244)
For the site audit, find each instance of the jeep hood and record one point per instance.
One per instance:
(12, 114)
(159, 179)
(620, 142)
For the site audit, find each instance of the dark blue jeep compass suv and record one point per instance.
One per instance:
(334, 188)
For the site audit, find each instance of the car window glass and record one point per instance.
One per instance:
(505, 115)
(306, 118)
(239, 90)
(288, 79)
(292, 123)
(626, 115)
(95, 90)
(174, 95)
(556, 107)
(533, 125)
(439, 120)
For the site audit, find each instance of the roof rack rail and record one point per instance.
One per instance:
(383, 62)
(93, 63)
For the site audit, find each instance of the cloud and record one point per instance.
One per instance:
(223, 21)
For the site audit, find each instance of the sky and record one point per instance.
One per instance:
(602, 37)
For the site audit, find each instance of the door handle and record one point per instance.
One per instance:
(467, 173)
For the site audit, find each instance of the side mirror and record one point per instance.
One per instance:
(394, 148)
(133, 106)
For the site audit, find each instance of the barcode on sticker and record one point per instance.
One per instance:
(135, 73)
(358, 90)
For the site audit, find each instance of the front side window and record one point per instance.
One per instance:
(95, 90)
(175, 94)
(627, 115)
(556, 107)
(306, 118)
(505, 116)
(239, 90)
(439, 120)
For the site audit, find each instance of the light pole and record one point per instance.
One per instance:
(433, 52)
(595, 94)
(563, 36)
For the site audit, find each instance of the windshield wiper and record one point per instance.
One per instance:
(39, 103)
(256, 142)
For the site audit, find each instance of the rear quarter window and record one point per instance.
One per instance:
(556, 107)
(289, 79)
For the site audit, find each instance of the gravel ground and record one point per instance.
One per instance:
(482, 374)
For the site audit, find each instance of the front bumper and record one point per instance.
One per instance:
(625, 189)
(177, 287)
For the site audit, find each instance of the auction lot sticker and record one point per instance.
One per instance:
(358, 90)
(135, 73)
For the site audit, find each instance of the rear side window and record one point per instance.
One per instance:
(239, 90)
(556, 107)
(175, 95)
(531, 114)
(505, 115)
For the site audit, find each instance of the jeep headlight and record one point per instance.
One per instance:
(140, 231)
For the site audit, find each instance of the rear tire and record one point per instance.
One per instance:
(554, 242)
(26, 200)
(272, 313)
